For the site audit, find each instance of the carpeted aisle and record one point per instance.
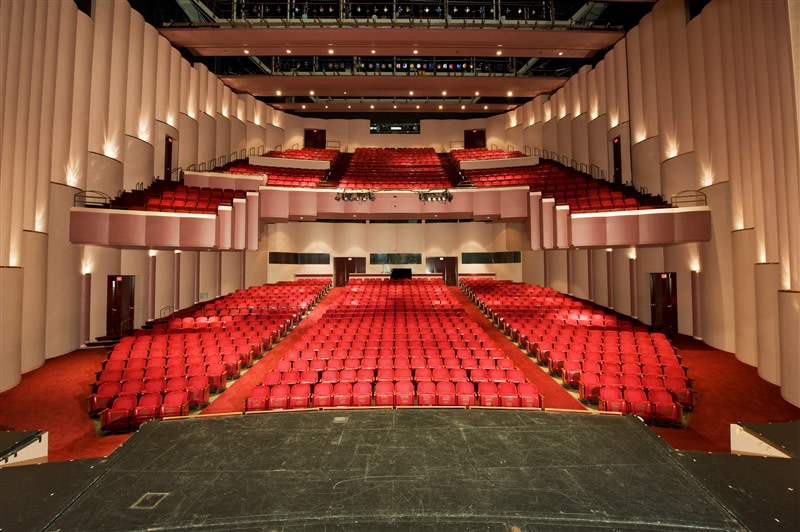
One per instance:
(555, 396)
(232, 400)
(727, 391)
(53, 398)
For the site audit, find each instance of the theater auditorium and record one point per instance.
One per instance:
(409, 264)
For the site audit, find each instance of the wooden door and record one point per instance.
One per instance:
(474, 138)
(664, 302)
(344, 266)
(120, 304)
(447, 266)
(314, 138)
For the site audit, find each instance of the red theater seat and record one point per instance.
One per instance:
(426, 393)
(119, 415)
(529, 395)
(147, 409)
(257, 399)
(279, 397)
(300, 396)
(323, 395)
(176, 403)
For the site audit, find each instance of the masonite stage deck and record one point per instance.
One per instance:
(421, 469)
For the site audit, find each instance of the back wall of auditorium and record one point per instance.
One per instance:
(709, 104)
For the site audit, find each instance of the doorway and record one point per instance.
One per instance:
(616, 148)
(314, 138)
(664, 302)
(343, 267)
(120, 304)
(474, 138)
(447, 266)
(168, 142)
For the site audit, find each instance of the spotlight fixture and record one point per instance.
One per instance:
(442, 196)
(359, 196)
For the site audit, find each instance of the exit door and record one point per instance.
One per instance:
(474, 138)
(344, 266)
(447, 266)
(120, 304)
(314, 138)
(664, 302)
(616, 154)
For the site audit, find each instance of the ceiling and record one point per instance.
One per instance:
(354, 58)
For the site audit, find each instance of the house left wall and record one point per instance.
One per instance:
(87, 102)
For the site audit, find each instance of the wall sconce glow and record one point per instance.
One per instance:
(177, 252)
(632, 253)
(110, 148)
(144, 129)
(547, 113)
(594, 111)
(639, 136)
(171, 119)
(152, 253)
(614, 120)
(762, 253)
(695, 265)
(86, 266)
(40, 223)
(707, 176)
(608, 250)
(513, 121)
(672, 149)
(73, 174)
(562, 111)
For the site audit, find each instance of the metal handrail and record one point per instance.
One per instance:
(91, 198)
(696, 197)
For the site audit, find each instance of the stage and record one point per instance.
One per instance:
(374, 469)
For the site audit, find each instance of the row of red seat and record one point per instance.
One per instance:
(308, 154)
(390, 394)
(567, 186)
(482, 154)
(158, 361)
(587, 358)
(388, 168)
(390, 315)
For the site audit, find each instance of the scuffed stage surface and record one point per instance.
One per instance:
(421, 469)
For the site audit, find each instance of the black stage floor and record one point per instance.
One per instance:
(421, 469)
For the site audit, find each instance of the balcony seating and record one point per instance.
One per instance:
(276, 176)
(172, 196)
(567, 186)
(483, 154)
(395, 168)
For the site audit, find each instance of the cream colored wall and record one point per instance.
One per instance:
(360, 240)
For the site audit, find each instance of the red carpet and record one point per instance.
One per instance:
(233, 399)
(53, 398)
(727, 391)
(555, 396)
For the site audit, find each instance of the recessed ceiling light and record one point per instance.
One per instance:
(485, 106)
(499, 52)
(372, 51)
(326, 107)
(372, 107)
(416, 52)
(477, 93)
(278, 93)
(349, 106)
(330, 51)
(560, 53)
(418, 107)
(311, 93)
(304, 106)
(247, 51)
(395, 107)
(444, 93)
(463, 107)
(288, 51)
(509, 94)
(411, 93)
